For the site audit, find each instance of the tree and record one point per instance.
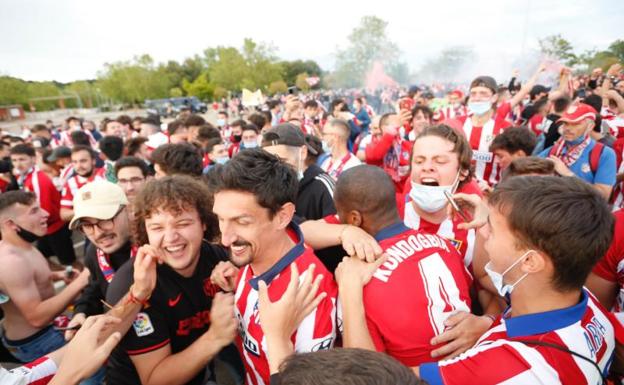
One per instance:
(367, 43)
(293, 68)
(559, 48)
(135, 81)
(200, 87)
(13, 91)
(277, 87)
(617, 49)
(301, 82)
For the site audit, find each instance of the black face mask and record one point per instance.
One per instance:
(27, 235)
(237, 138)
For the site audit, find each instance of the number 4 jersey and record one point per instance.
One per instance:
(410, 296)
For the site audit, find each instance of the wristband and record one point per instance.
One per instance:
(133, 299)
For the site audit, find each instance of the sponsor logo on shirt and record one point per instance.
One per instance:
(198, 321)
(142, 325)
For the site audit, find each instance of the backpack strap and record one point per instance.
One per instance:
(594, 156)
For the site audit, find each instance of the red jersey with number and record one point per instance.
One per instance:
(74, 183)
(611, 266)
(410, 295)
(499, 357)
(480, 139)
(316, 332)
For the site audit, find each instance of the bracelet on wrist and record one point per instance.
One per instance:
(133, 299)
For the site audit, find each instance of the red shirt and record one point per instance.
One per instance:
(316, 332)
(48, 196)
(73, 184)
(611, 266)
(428, 268)
(394, 153)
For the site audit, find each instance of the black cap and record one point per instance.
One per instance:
(59, 152)
(286, 133)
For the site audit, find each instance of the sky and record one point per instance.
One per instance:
(67, 40)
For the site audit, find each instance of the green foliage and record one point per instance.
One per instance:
(293, 68)
(278, 86)
(368, 43)
(200, 87)
(559, 48)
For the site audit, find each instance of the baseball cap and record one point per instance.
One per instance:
(59, 152)
(485, 81)
(577, 113)
(99, 199)
(286, 133)
(538, 89)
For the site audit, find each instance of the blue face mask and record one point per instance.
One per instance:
(223, 160)
(251, 144)
(220, 122)
(479, 108)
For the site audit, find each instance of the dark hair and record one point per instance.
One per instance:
(134, 145)
(310, 104)
(112, 147)
(353, 192)
(80, 138)
(194, 120)
(485, 81)
(125, 120)
(175, 126)
(259, 120)
(529, 165)
(426, 111)
(461, 146)
(223, 113)
(563, 217)
(22, 149)
(210, 145)
(268, 116)
(207, 132)
(515, 139)
(81, 147)
(271, 181)
(9, 198)
(39, 127)
(561, 104)
(132, 161)
(315, 143)
(251, 127)
(179, 158)
(345, 367)
(174, 194)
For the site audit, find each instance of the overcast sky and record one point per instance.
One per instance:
(66, 40)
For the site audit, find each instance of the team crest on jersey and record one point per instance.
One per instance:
(457, 244)
(585, 167)
(142, 325)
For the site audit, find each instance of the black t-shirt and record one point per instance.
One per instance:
(178, 314)
(89, 301)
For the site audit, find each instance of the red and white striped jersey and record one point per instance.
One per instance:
(74, 184)
(38, 372)
(618, 190)
(611, 265)
(428, 268)
(316, 332)
(480, 139)
(499, 356)
(335, 167)
(463, 240)
(48, 196)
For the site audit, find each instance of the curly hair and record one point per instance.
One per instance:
(174, 194)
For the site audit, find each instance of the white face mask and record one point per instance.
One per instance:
(497, 278)
(479, 108)
(432, 198)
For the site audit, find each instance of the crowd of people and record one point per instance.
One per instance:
(440, 235)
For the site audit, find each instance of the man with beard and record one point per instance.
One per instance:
(28, 299)
(254, 200)
(185, 322)
(101, 214)
(83, 162)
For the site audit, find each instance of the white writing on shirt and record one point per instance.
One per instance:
(404, 249)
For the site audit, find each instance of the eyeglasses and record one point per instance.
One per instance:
(103, 224)
(135, 180)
